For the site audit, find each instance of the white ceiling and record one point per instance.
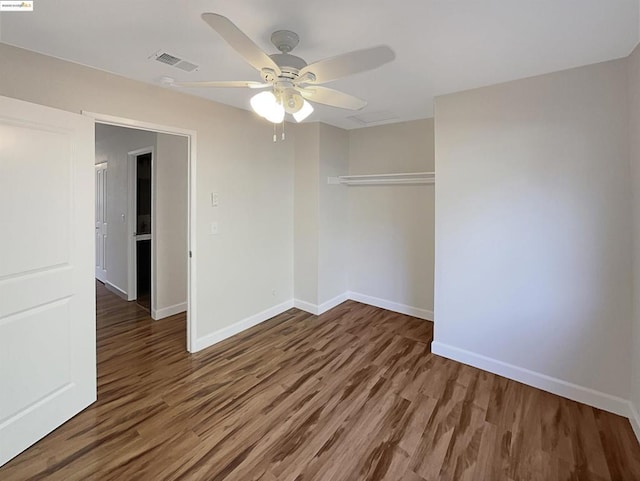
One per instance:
(441, 46)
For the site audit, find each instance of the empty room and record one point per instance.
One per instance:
(295, 241)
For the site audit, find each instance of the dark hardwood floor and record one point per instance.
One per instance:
(353, 394)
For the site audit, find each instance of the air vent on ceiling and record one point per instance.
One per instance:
(167, 58)
(369, 118)
(174, 61)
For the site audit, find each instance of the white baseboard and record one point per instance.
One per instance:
(331, 303)
(305, 306)
(392, 306)
(226, 332)
(550, 384)
(158, 314)
(365, 299)
(634, 418)
(324, 307)
(116, 290)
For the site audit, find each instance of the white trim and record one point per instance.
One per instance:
(192, 316)
(392, 306)
(154, 237)
(137, 124)
(237, 327)
(550, 384)
(634, 418)
(322, 308)
(192, 142)
(306, 306)
(116, 290)
(163, 312)
(365, 299)
(331, 303)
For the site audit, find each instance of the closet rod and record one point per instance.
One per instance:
(385, 179)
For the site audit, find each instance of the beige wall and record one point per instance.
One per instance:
(306, 211)
(247, 268)
(112, 145)
(320, 216)
(332, 220)
(171, 218)
(533, 238)
(391, 235)
(634, 137)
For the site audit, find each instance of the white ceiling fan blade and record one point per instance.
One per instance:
(225, 84)
(240, 42)
(348, 64)
(334, 98)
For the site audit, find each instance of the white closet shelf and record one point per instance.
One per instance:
(385, 179)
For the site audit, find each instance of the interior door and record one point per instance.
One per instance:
(47, 286)
(101, 221)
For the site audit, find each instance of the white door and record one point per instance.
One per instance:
(47, 286)
(101, 221)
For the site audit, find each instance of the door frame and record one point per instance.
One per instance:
(191, 136)
(132, 274)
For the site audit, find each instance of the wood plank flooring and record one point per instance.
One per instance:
(354, 394)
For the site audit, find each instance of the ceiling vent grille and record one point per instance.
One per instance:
(168, 59)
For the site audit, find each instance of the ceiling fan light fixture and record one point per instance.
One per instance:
(292, 101)
(266, 105)
(304, 112)
(276, 116)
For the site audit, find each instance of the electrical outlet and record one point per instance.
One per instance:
(215, 199)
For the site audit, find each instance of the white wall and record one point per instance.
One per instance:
(112, 145)
(391, 232)
(634, 137)
(171, 220)
(532, 231)
(332, 221)
(239, 269)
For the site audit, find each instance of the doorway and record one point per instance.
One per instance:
(142, 234)
(139, 220)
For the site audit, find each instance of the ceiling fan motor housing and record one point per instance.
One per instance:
(290, 65)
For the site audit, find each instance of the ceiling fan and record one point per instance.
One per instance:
(291, 83)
